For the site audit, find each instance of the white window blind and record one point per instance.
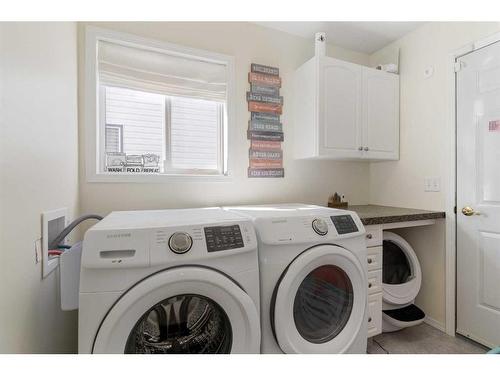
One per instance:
(160, 72)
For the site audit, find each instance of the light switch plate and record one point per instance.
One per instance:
(432, 184)
(427, 184)
(436, 184)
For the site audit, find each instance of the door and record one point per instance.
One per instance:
(320, 301)
(478, 195)
(340, 108)
(380, 115)
(181, 311)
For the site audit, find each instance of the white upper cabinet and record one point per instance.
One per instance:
(380, 115)
(340, 109)
(345, 111)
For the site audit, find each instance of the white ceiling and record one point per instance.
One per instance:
(366, 37)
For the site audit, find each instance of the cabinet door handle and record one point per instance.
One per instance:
(360, 148)
(366, 148)
(369, 236)
(370, 260)
(369, 285)
(369, 320)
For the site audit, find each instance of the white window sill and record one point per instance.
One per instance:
(155, 178)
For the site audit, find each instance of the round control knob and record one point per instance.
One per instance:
(320, 226)
(180, 242)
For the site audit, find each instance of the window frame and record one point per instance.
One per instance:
(94, 144)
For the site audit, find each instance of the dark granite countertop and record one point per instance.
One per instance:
(372, 214)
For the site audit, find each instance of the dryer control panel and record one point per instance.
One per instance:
(344, 224)
(306, 229)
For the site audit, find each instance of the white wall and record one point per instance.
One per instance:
(305, 181)
(426, 143)
(38, 172)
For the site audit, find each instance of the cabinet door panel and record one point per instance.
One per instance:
(340, 97)
(380, 114)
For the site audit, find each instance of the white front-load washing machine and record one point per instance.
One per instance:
(313, 278)
(170, 281)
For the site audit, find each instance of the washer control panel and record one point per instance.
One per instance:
(320, 226)
(344, 224)
(192, 243)
(223, 237)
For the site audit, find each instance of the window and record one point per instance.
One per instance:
(160, 109)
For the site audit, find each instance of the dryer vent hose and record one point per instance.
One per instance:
(61, 236)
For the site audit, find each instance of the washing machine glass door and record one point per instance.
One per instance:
(181, 310)
(320, 302)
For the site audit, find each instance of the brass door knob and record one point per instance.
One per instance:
(469, 211)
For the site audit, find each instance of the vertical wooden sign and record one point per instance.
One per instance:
(265, 130)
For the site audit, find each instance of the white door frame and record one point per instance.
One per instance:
(451, 201)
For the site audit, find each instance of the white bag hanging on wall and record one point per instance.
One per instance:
(69, 266)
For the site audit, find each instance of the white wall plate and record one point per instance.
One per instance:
(53, 222)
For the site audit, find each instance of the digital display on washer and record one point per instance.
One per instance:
(223, 238)
(344, 224)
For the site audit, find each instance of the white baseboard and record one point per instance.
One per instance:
(434, 323)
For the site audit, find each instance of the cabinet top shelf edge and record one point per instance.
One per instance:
(319, 59)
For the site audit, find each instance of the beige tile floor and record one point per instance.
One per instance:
(422, 339)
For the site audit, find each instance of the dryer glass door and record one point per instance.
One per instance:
(319, 303)
(181, 310)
